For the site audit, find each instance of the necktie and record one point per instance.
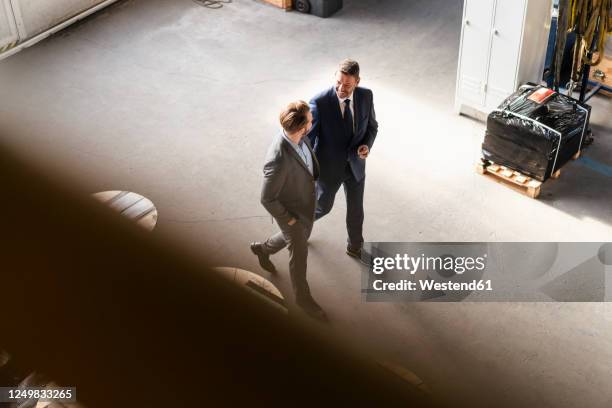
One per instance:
(348, 117)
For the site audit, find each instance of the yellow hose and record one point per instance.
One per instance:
(586, 18)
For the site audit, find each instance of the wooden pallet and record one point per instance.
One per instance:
(515, 180)
(511, 178)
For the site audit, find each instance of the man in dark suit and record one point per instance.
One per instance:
(288, 194)
(343, 131)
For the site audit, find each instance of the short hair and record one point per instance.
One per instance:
(295, 116)
(349, 67)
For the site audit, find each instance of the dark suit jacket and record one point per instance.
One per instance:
(289, 189)
(331, 140)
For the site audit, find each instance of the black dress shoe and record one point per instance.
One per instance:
(313, 310)
(264, 259)
(360, 254)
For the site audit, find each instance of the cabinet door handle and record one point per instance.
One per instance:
(467, 22)
(495, 31)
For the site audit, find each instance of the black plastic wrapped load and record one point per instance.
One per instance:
(535, 131)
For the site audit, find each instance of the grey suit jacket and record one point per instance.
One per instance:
(289, 189)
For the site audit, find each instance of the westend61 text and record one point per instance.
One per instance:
(428, 284)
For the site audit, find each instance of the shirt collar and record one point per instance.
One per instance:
(341, 100)
(291, 141)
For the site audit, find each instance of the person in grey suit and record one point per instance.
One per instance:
(288, 194)
(343, 131)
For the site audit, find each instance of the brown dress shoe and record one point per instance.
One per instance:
(353, 252)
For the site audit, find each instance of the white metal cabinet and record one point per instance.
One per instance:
(40, 15)
(503, 45)
(8, 28)
(29, 21)
(473, 67)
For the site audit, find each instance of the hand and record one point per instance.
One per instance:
(363, 151)
(292, 221)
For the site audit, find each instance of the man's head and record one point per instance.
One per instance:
(347, 78)
(296, 119)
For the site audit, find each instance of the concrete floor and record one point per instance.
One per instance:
(178, 103)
